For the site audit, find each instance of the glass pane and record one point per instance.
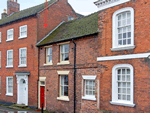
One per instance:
(123, 77)
(119, 42)
(128, 15)
(120, 30)
(63, 57)
(124, 22)
(128, 90)
(124, 35)
(119, 77)
(119, 84)
(119, 17)
(129, 34)
(90, 87)
(128, 97)
(129, 28)
(124, 29)
(124, 97)
(65, 80)
(128, 84)
(128, 71)
(123, 15)
(119, 71)
(123, 71)
(66, 91)
(128, 21)
(90, 82)
(124, 42)
(119, 90)
(119, 23)
(119, 96)
(62, 80)
(124, 84)
(129, 41)
(119, 36)
(128, 77)
(66, 56)
(62, 90)
(90, 92)
(66, 48)
(62, 47)
(87, 93)
(124, 90)
(93, 92)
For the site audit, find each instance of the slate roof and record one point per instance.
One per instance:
(25, 13)
(80, 27)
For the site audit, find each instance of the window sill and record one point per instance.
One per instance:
(122, 103)
(63, 98)
(22, 37)
(48, 64)
(9, 94)
(89, 97)
(9, 66)
(9, 40)
(22, 66)
(123, 48)
(63, 63)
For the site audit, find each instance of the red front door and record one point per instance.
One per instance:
(42, 96)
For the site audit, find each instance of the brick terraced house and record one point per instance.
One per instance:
(98, 62)
(19, 33)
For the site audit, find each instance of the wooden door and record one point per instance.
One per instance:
(42, 96)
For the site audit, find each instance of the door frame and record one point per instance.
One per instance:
(19, 78)
(41, 79)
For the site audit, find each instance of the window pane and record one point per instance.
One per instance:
(66, 48)
(120, 42)
(124, 97)
(119, 17)
(119, 96)
(119, 90)
(128, 97)
(124, 42)
(119, 36)
(62, 90)
(66, 56)
(123, 15)
(65, 80)
(128, 90)
(65, 90)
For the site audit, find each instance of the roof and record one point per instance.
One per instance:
(79, 15)
(25, 13)
(80, 27)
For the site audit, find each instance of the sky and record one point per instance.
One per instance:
(84, 7)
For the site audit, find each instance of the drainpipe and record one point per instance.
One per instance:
(74, 76)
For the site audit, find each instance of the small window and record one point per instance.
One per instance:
(22, 57)
(0, 36)
(48, 55)
(23, 31)
(0, 59)
(10, 34)
(63, 85)
(89, 87)
(123, 29)
(122, 85)
(64, 52)
(70, 18)
(9, 86)
(9, 58)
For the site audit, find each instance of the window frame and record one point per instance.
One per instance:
(115, 46)
(90, 78)
(49, 63)
(115, 100)
(25, 36)
(22, 65)
(7, 93)
(9, 66)
(9, 34)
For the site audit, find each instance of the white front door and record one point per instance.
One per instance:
(22, 92)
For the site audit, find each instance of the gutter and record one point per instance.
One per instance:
(74, 76)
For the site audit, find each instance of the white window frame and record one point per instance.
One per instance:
(22, 65)
(115, 100)
(88, 77)
(115, 46)
(0, 60)
(63, 98)
(7, 93)
(0, 37)
(49, 63)
(25, 36)
(9, 34)
(9, 66)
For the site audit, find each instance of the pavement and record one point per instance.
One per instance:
(5, 109)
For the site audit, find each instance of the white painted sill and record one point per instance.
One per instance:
(9, 40)
(123, 48)
(128, 104)
(63, 98)
(22, 66)
(9, 66)
(89, 98)
(63, 63)
(22, 37)
(48, 64)
(9, 94)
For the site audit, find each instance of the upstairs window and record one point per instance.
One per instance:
(0, 36)
(63, 85)
(23, 31)
(10, 34)
(123, 29)
(9, 58)
(48, 55)
(64, 52)
(22, 57)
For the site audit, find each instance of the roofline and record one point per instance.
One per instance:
(17, 20)
(47, 7)
(50, 32)
(75, 38)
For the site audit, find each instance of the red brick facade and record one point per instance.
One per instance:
(35, 31)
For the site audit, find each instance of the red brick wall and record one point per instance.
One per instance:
(141, 68)
(56, 13)
(86, 65)
(32, 59)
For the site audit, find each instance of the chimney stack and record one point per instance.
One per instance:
(12, 6)
(4, 14)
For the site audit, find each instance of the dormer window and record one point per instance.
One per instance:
(123, 29)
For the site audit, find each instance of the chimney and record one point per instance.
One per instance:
(12, 6)
(4, 14)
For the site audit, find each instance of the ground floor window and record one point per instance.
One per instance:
(9, 86)
(88, 87)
